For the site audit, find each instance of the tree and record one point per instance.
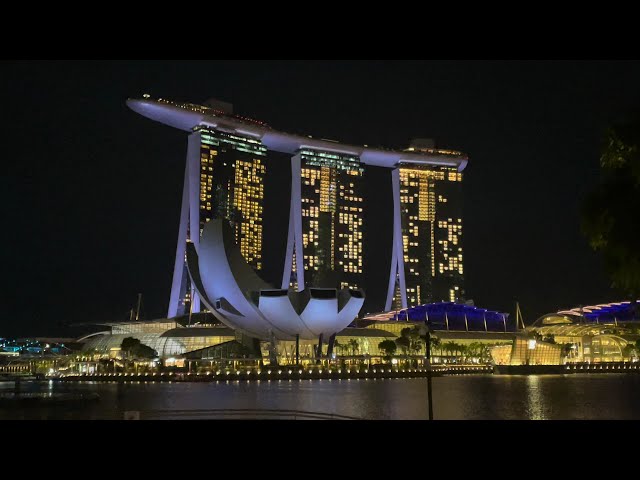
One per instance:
(463, 350)
(354, 345)
(485, 352)
(414, 339)
(388, 347)
(404, 343)
(453, 348)
(128, 344)
(134, 349)
(473, 348)
(337, 346)
(144, 352)
(611, 213)
(629, 351)
(435, 343)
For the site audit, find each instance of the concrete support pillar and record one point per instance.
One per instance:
(397, 249)
(189, 223)
(294, 237)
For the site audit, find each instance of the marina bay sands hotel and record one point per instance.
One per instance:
(225, 175)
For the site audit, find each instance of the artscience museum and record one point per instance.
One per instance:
(237, 297)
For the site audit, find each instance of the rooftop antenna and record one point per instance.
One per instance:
(138, 307)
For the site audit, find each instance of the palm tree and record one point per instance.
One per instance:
(416, 346)
(435, 343)
(485, 352)
(355, 346)
(337, 346)
(464, 351)
(404, 343)
(474, 349)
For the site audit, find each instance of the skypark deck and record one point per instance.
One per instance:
(187, 116)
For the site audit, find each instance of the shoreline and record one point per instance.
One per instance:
(281, 373)
(297, 373)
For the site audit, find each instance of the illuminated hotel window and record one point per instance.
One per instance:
(332, 228)
(232, 186)
(428, 231)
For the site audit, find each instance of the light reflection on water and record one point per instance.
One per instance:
(535, 402)
(610, 396)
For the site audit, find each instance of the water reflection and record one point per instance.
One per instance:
(611, 396)
(535, 402)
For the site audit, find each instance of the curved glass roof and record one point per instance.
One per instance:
(606, 313)
(571, 330)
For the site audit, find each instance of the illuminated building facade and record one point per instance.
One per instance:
(447, 266)
(427, 258)
(596, 333)
(224, 178)
(325, 222)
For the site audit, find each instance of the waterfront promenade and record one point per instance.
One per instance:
(316, 373)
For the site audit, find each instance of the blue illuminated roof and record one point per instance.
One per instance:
(605, 313)
(458, 317)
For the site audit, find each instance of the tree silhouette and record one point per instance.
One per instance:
(133, 348)
(354, 345)
(388, 347)
(611, 213)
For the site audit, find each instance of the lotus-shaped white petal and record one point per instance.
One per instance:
(235, 294)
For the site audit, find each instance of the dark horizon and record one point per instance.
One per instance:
(95, 188)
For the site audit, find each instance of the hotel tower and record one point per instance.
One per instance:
(224, 178)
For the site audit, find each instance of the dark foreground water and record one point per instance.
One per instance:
(558, 397)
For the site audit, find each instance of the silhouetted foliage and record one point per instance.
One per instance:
(388, 347)
(611, 213)
(135, 349)
(404, 343)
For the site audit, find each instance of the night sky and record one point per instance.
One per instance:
(92, 190)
